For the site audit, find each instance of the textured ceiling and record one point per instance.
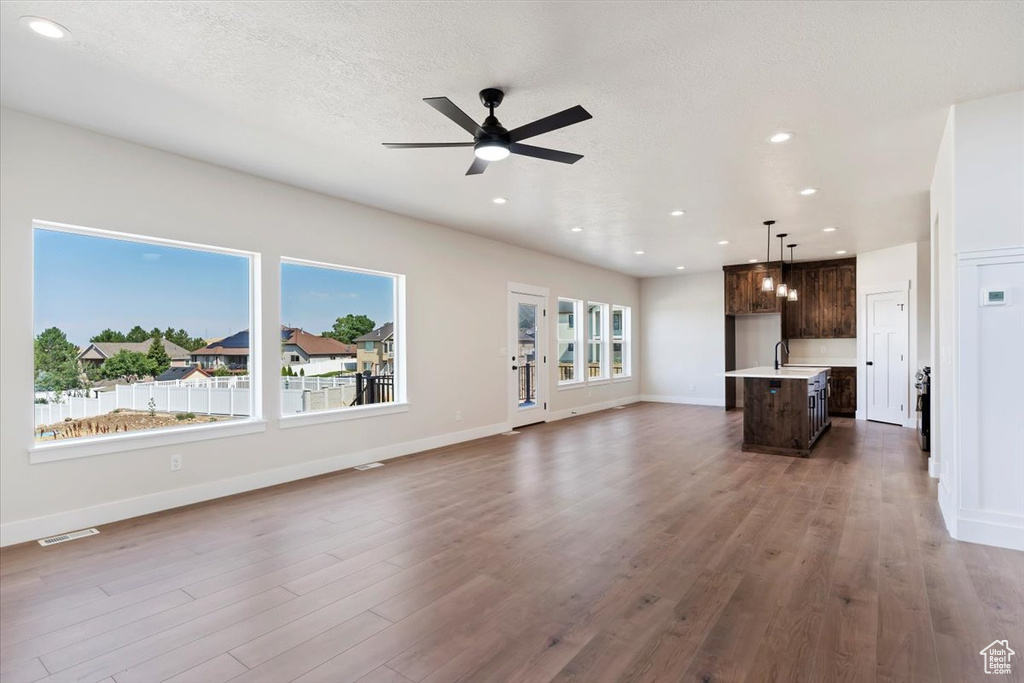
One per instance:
(683, 95)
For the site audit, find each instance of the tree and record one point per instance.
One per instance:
(56, 361)
(131, 366)
(108, 335)
(137, 334)
(348, 328)
(158, 355)
(183, 339)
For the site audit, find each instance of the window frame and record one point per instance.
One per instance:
(401, 402)
(579, 345)
(101, 445)
(626, 339)
(605, 375)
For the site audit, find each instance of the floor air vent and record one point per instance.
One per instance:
(369, 466)
(62, 538)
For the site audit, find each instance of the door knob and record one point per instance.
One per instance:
(869, 363)
(515, 367)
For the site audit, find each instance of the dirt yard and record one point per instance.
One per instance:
(120, 421)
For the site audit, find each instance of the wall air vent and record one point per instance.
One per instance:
(368, 466)
(63, 538)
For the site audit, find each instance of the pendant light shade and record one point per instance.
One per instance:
(792, 296)
(767, 283)
(782, 291)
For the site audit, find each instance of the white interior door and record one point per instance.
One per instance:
(527, 358)
(887, 364)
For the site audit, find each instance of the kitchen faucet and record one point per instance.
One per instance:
(784, 345)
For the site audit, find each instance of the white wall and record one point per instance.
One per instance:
(683, 338)
(756, 336)
(455, 281)
(879, 271)
(977, 213)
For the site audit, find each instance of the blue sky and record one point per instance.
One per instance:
(313, 298)
(84, 284)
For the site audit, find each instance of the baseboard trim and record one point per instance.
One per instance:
(24, 530)
(591, 408)
(988, 532)
(933, 467)
(684, 400)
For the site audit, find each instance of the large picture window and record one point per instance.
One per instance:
(569, 344)
(338, 337)
(134, 334)
(597, 364)
(621, 341)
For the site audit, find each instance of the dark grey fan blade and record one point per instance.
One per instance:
(425, 145)
(479, 166)
(448, 108)
(544, 153)
(550, 123)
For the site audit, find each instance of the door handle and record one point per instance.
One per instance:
(515, 367)
(869, 362)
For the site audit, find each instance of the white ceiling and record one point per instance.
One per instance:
(683, 96)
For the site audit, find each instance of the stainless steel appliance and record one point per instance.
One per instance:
(924, 407)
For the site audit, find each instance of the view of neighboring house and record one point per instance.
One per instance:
(231, 352)
(97, 352)
(375, 350)
(299, 347)
(181, 373)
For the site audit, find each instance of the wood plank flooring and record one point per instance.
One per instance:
(630, 545)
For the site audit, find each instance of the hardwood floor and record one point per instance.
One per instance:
(629, 545)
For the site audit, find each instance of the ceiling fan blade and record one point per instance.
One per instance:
(544, 153)
(549, 123)
(478, 166)
(425, 145)
(448, 108)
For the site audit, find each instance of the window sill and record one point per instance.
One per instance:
(566, 386)
(103, 445)
(624, 378)
(342, 414)
(599, 381)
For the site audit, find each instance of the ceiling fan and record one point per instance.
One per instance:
(491, 142)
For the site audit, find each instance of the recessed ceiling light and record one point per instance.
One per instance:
(723, 242)
(680, 267)
(576, 229)
(678, 212)
(808, 191)
(781, 137)
(639, 252)
(841, 251)
(45, 27)
(500, 200)
(753, 260)
(828, 229)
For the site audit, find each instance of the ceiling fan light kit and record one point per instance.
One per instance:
(491, 141)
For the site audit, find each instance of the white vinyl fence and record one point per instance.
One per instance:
(213, 396)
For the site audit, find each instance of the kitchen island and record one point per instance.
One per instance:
(785, 410)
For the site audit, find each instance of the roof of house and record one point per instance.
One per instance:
(108, 349)
(315, 345)
(180, 372)
(382, 333)
(236, 344)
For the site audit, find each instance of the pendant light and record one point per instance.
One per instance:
(782, 291)
(767, 283)
(793, 296)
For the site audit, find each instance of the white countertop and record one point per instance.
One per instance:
(804, 373)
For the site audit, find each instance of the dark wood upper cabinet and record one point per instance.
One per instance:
(743, 293)
(828, 276)
(826, 307)
(846, 318)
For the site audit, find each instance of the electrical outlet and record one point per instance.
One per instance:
(458, 416)
(503, 352)
(822, 348)
(175, 463)
(693, 387)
